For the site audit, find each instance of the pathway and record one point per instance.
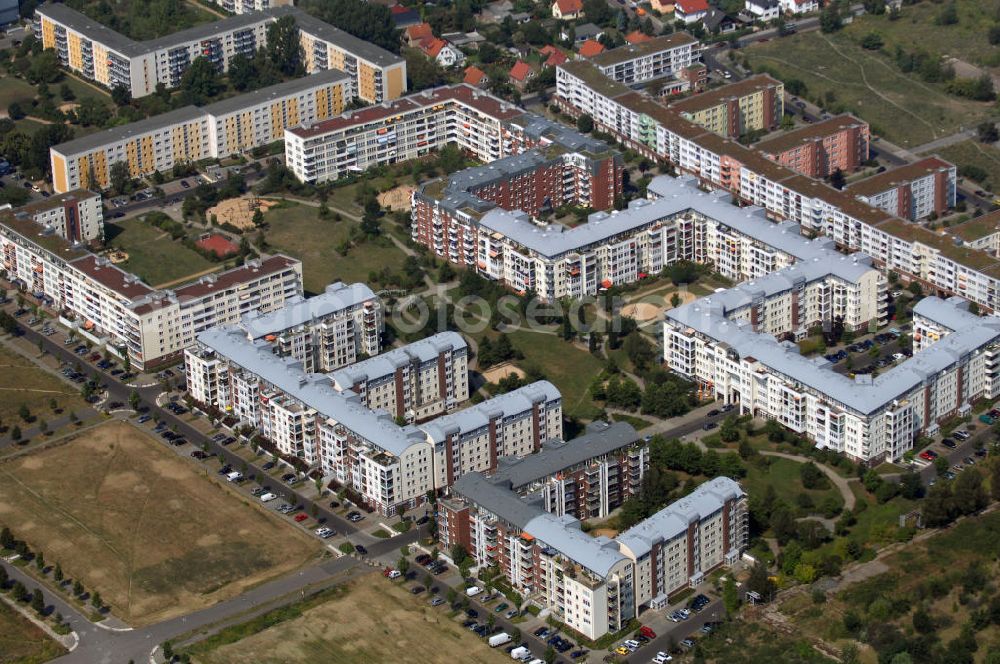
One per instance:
(945, 141)
(842, 483)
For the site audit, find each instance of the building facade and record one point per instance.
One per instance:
(76, 216)
(190, 134)
(414, 382)
(595, 585)
(914, 192)
(840, 143)
(755, 104)
(100, 54)
(325, 332)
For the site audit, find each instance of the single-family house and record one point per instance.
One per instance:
(567, 10)
(763, 10)
(520, 74)
(442, 52)
(475, 76)
(417, 33)
(590, 48)
(403, 17)
(690, 11)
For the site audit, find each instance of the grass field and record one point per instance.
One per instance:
(372, 623)
(783, 475)
(152, 254)
(748, 643)
(146, 528)
(22, 382)
(23, 643)
(298, 230)
(570, 369)
(15, 89)
(973, 153)
(899, 107)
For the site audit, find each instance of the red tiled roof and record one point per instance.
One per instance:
(570, 6)
(548, 50)
(590, 48)
(431, 46)
(556, 59)
(520, 71)
(218, 245)
(419, 32)
(637, 37)
(474, 75)
(692, 6)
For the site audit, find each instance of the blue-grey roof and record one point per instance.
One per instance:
(497, 498)
(313, 390)
(562, 533)
(861, 394)
(478, 416)
(952, 313)
(675, 196)
(385, 364)
(299, 310)
(128, 131)
(674, 519)
(600, 439)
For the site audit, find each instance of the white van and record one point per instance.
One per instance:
(235, 476)
(267, 497)
(519, 652)
(473, 591)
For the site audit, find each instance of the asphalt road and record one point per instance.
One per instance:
(667, 640)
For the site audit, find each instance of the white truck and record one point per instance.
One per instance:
(519, 653)
(499, 639)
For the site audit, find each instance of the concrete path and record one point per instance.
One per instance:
(842, 484)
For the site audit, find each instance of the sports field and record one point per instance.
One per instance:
(372, 623)
(146, 528)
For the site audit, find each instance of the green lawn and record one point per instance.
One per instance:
(900, 107)
(749, 643)
(23, 383)
(637, 423)
(22, 642)
(298, 231)
(15, 89)
(152, 254)
(26, 126)
(973, 153)
(81, 89)
(569, 368)
(783, 475)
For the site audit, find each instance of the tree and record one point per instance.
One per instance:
(77, 588)
(987, 132)
(730, 596)
(201, 80)
(6, 538)
(969, 494)
(284, 47)
(872, 41)
(585, 124)
(948, 15)
(168, 650)
(134, 400)
(837, 179)
(829, 19)
(15, 111)
(19, 592)
(95, 600)
(38, 601)
(58, 573)
(403, 564)
(15, 433)
(119, 177)
(810, 474)
(121, 95)
(24, 413)
(550, 652)
(40, 560)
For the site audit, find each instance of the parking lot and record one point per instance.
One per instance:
(864, 361)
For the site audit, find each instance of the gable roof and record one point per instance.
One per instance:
(548, 49)
(556, 59)
(569, 6)
(474, 75)
(419, 32)
(520, 71)
(432, 46)
(637, 37)
(591, 48)
(691, 6)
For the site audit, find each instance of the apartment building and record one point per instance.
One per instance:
(390, 466)
(408, 128)
(938, 260)
(816, 151)
(660, 57)
(982, 233)
(115, 309)
(324, 332)
(587, 477)
(100, 54)
(868, 419)
(189, 134)
(76, 216)
(756, 103)
(414, 382)
(915, 191)
(250, 6)
(595, 585)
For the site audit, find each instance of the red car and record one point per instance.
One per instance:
(300, 517)
(928, 455)
(647, 632)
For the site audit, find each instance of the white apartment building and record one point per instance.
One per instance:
(324, 332)
(229, 127)
(76, 216)
(249, 6)
(915, 191)
(869, 419)
(659, 57)
(414, 382)
(98, 53)
(596, 585)
(390, 466)
(115, 309)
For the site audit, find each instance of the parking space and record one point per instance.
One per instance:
(871, 353)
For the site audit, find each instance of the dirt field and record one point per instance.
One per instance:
(651, 307)
(143, 526)
(501, 371)
(373, 623)
(397, 198)
(22, 642)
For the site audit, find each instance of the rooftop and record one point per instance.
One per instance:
(586, 71)
(475, 417)
(976, 259)
(633, 51)
(819, 130)
(876, 184)
(299, 310)
(978, 228)
(129, 131)
(716, 96)
(385, 364)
